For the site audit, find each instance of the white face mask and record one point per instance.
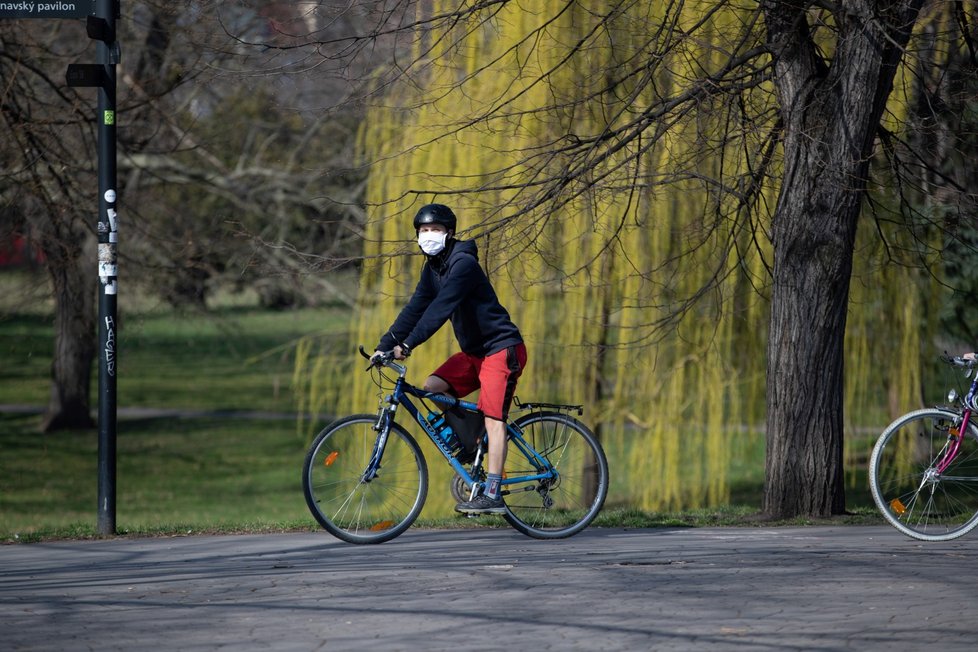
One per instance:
(432, 242)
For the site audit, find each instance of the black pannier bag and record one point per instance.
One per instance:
(470, 427)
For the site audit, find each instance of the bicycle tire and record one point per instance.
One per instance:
(544, 511)
(355, 510)
(909, 493)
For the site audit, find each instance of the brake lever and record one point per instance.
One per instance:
(380, 360)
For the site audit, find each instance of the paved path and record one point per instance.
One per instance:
(818, 588)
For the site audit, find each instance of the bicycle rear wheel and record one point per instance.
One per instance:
(349, 504)
(554, 509)
(912, 496)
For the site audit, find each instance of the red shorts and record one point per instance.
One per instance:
(495, 375)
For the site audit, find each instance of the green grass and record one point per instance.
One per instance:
(195, 474)
(172, 476)
(203, 475)
(231, 359)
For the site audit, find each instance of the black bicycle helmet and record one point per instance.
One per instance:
(435, 214)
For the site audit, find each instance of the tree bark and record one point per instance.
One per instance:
(73, 281)
(831, 113)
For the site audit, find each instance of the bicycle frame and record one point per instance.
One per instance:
(955, 442)
(400, 396)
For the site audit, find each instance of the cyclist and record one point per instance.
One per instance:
(492, 357)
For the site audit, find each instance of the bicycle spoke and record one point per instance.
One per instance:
(566, 503)
(344, 502)
(907, 487)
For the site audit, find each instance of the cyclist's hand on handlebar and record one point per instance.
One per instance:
(968, 360)
(401, 352)
(379, 358)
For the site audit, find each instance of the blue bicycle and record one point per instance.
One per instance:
(365, 478)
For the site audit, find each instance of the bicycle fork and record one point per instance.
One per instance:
(932, 476)
(383, 428)
(954, 444)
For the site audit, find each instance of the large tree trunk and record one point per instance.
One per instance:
(73, 279)
(813, 241)
(831, 114)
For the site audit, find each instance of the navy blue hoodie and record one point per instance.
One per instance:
(454, 286)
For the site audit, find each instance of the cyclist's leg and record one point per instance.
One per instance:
(438, 385)
(458, 376)
(496, 453)
(498, 376)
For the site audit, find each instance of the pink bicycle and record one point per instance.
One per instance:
(924, 468)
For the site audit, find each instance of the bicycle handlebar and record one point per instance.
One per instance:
(383, 359)
(364, 353)
(959, 361)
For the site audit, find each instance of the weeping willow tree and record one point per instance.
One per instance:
(922, 208)
(599, 272)
(635, 175)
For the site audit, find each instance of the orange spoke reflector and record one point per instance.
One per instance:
(898, 507)
(331, 458)
(383, 525)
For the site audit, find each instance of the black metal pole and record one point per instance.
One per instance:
(108, 57)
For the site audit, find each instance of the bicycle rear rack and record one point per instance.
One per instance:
(551, 406)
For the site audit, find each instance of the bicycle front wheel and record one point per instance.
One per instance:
(912, 494)
(560, 507)
(353, 503)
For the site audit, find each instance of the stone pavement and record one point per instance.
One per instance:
(798, 588)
